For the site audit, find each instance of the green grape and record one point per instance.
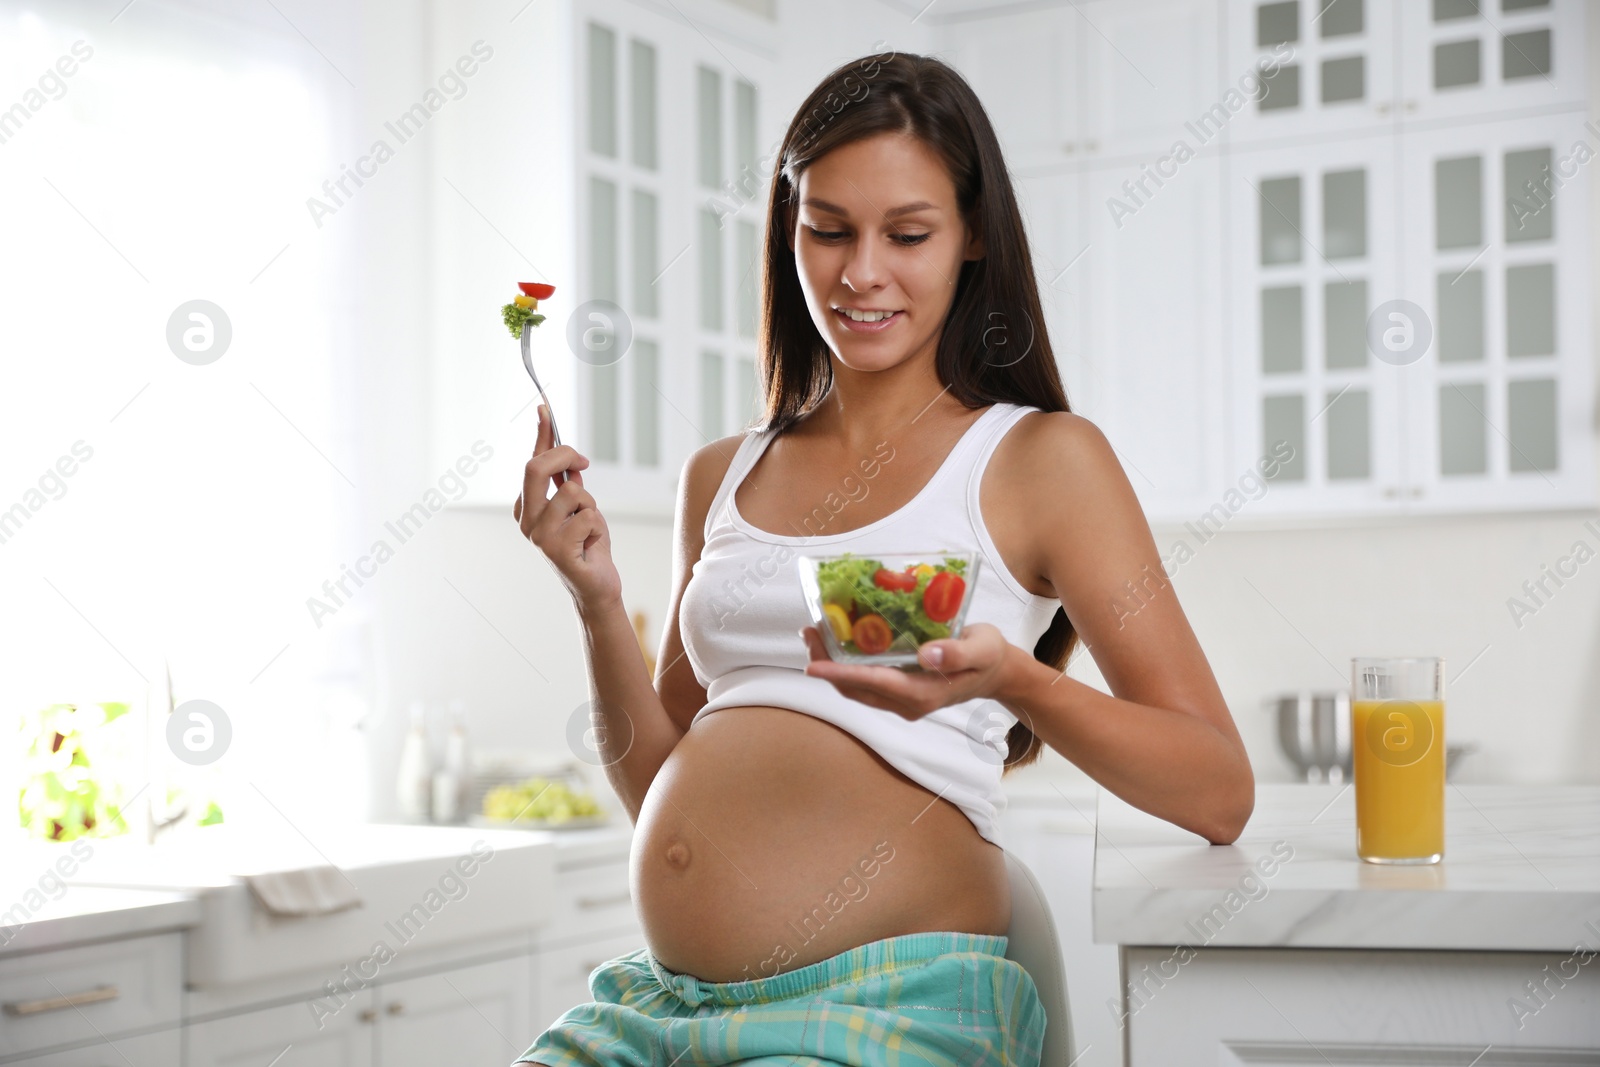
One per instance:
(537, 800)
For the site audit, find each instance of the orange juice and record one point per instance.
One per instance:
(1398, 748)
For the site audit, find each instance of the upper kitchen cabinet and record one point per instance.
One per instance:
(638, 189)
(669, 206)
(1024, 67)
(1499, 408)
(1052, 212)
(1410, 327)
(1326, 66)
(1149, 77)
(1471, 57)
(1070, 84)
(1317, 251)
(1152, 332)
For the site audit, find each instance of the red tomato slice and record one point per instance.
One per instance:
(537, 290)
(871, 634)
(884, 578)
(942, 599)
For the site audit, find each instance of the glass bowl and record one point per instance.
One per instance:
(849, 582)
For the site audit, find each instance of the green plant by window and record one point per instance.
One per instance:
(63, 796)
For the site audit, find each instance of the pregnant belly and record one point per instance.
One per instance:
(771, 839)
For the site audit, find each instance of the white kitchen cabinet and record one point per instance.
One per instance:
(84, 995)
(1037, 119)
(563, 973)
(476, 1014)
(318, 1037)
(1460, 59)
(1263, 1006)
(1154, 301)
(594, 921)
(154, 1050)
(1334, 63)
(1052, 212)
(1147, 73)
(1318, 250)
(1498, 411)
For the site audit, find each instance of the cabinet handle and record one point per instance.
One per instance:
(396, 1008)
(1383, 107)
(61, 1003)
(605, 902)
(1068, 148)
(1092, 145)
(1411, 105)
(368, 1015)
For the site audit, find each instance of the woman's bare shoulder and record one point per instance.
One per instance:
(1047, 446)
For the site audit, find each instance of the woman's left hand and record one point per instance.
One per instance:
(968, 667)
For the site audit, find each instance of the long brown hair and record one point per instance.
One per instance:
(996, 296)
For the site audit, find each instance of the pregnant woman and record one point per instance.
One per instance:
(816, 860)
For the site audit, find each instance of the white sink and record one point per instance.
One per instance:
(421, 887)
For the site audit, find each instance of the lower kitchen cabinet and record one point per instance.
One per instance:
(564, 972)
(146, 1050)
(311, 1037)
(479, 1015)
(1347, 1006)
(79, 996)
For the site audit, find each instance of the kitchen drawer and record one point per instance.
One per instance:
(90, 992)
(589, 900)
(563, 973)
(146, 1050)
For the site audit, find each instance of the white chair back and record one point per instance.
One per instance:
(1034, 944)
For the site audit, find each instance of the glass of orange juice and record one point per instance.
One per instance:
(1397, 738)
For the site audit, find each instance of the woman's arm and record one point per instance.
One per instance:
(632, 728)
(1164, 742)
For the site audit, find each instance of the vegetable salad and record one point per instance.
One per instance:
(873, 609)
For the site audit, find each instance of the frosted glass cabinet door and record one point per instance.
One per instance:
(671, 118)
(1468, 58)
(1331, 66)
(1498, 243)
(1315, 263)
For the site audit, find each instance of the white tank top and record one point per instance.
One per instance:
(743, 608)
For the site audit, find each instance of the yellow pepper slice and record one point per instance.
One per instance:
(524, 301)
(840, 620)
(925, 568)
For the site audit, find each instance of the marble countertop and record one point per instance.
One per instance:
(1521, 871)
(64, 915)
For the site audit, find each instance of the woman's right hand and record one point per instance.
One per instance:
(566, 526)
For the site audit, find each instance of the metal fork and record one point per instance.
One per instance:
(527, 361)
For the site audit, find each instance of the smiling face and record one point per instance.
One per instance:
(878, 230)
